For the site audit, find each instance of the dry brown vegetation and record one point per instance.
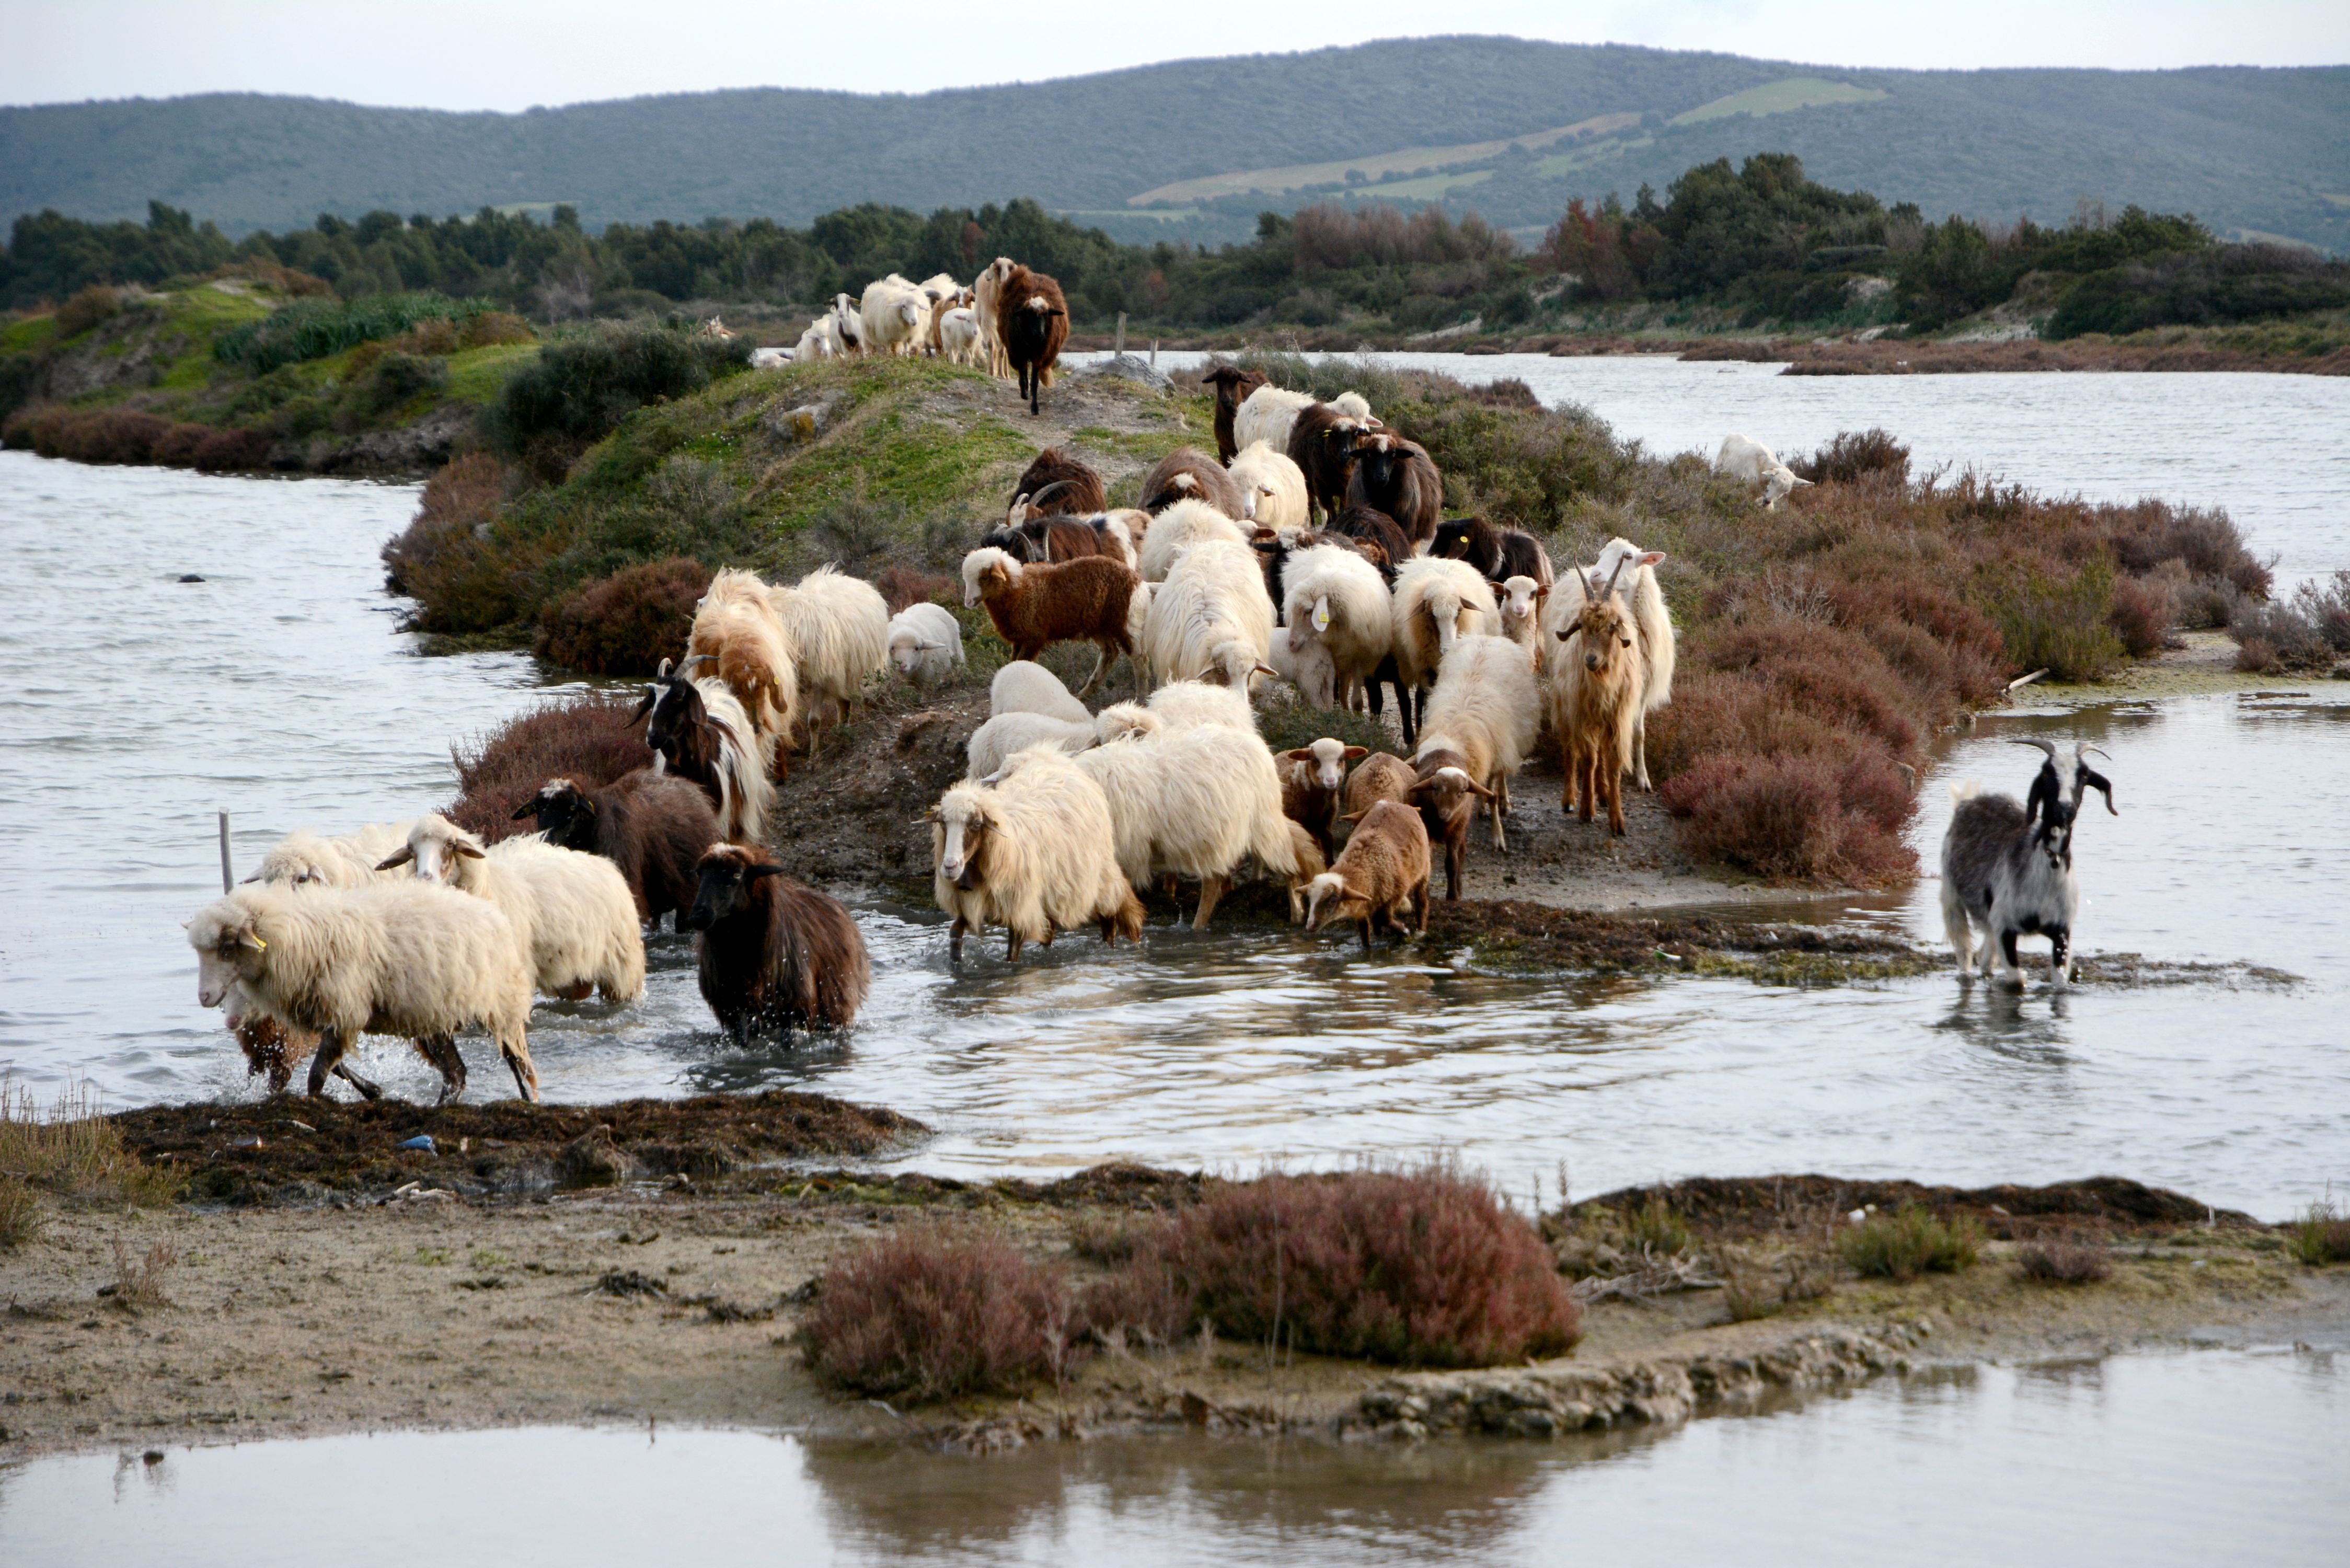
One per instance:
(70, 1150)
(588, 739)
(133, 435)
(625, 623)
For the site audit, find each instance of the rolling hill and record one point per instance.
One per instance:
(1513, 129)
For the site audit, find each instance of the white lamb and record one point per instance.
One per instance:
(958, 337)
(1025, 686)
(1436, 601)
(1273, 488)
(1177, 529)
(572, 910)
(839, 630)
(1210, 617)
(1487, 709)
(390, 958)
(1179, 705)
(1742, 457)
(925, 642)
(1032, 855)
(1337, 598)
(820, 341)
(1194, 804)
(303, 858)
(993, 742)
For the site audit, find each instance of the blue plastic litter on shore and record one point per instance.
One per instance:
(423, 1141)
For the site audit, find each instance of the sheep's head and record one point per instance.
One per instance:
(1232, 385)
(1235, 664)
(226, 936)
(1327, 757)
(1327, 899)
(1445, 790)
(1453, 536)
(988, 573)
(562, 812)
(1521, 602)
(728, 873)
(1125, 722)
(961, 825)
(1777, 485)
(435, 846)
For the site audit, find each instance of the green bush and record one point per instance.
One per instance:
(2213, 286)
(2063, 625)
(1907, 1243)
(2320, 1237)
(314, 328)
(581, 386)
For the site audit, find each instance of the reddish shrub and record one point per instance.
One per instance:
(446, 560)
(1856, 455)
(587, 738)
(220, 452)
(1421, 1268)
(625, 623)
(2069, 1259)
(2141, 617)
(1787, 818)
(84, 310)
(176, 447)
(2257, 656)
(932, 1315)
(903, 585)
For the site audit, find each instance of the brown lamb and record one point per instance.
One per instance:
(1038, 605)
(1447, 796)
(1383, 872)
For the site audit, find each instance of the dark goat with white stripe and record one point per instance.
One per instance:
(2008, 869)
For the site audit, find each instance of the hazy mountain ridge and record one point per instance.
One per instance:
(2243, 147)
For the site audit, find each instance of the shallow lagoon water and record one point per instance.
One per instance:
(280, 688)
(2187, 1459)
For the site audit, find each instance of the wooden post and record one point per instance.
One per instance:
(1121, 334)
(228, 872)
(1154, 353)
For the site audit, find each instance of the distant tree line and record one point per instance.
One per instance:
(1762, 240)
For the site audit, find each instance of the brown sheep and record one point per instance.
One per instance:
(774, 955)
(1233, 386)
(653, 827)
(1312, 861)
(1447, 796)
(1033, 319)
(1310, 777)
(1322, 445)
(1374, 531)
(1384, 871)
(1188, 474)
(1381, 776)
(1399, 478)
(1059, 484)
(1035, 605)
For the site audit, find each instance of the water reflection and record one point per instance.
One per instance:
(2155, 1459)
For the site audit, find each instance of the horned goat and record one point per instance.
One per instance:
(1646, 598)
(2008, 869)
(1592, 678)
(700, 733)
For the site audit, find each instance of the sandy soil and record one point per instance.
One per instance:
(655, 1301)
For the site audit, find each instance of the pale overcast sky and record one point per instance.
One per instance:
(512, 54)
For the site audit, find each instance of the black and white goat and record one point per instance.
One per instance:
(2008, 869)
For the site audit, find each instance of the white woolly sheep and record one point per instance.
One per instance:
(1023, 686)
(1273, 488)
(958, 337)
(839, 631)
(1032, 853)
(986, 292)
(925, 642)
(1194, 804)
(1485, 709)
(573, 912)
(992, 744)
(897, 317)
(1267, 414)
(390, 957)
(820, 341)
(1521, 607)
(1436, 602)
(303, 858)
(1177, 529)
(1334, 596)
(737, 629)
(1210, 617)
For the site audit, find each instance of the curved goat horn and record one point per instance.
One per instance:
(1017, 513)
(2047, 746)
(1617, 573)
(2085, 750)
(1038, 499)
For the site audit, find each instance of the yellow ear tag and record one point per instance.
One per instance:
(1322, 618)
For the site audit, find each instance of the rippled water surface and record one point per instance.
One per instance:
(280, 688)
(2192, 1459)
(2274, 450)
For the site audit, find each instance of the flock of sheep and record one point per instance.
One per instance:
(1310, 549)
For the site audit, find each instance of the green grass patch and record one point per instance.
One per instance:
(28, 335)
(1907, 1243)
(1780, 98)
(477, 375)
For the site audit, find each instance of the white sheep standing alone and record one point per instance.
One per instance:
(1194, 804)
(573, 912)
(1485, 708)
(925, 642)
(1743, 457)
(1031, 854)
(839, 631)
(390, 958)
(1210, 617)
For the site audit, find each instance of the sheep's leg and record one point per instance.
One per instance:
(1500, 806)
(526, 1073)
(2010, 969)
(441, 1050)
(1363, 930)
(2060, 958)
(1956, 929)
(323, 1061)
(578, 991)
(368, 1090)
(1419, 897)
(1012, 943)
(1051, 930)
(1615, 802)
(1569, 763)
(1456, 850)
(1640, 748)
(1101, 667)
(1210, 889)
(954, 939)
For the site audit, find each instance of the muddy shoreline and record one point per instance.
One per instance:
(342, 1283)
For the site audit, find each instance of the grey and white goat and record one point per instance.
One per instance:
(2008, 869)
